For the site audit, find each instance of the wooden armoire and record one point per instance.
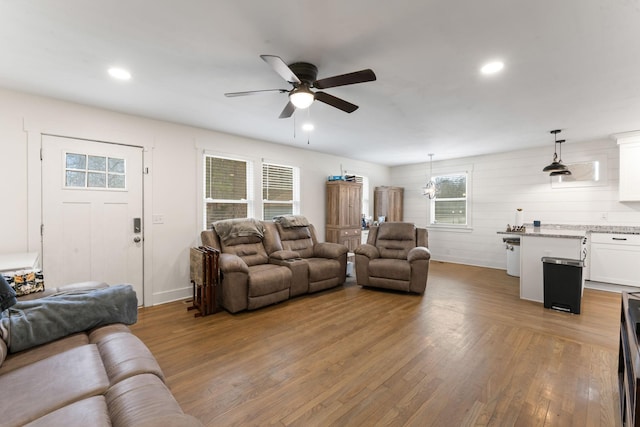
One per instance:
(344, 213)
(387, 202)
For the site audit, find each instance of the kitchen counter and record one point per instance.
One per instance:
(548, 232)
(573, 242)
(572, 231)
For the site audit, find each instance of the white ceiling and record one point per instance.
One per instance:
(569, 64)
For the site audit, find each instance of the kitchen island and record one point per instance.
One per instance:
(536, 243)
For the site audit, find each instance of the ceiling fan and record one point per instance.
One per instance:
(302, 76)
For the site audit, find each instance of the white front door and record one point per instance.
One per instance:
(92, 212)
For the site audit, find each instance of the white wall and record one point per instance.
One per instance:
(172, 188)
(507, 181)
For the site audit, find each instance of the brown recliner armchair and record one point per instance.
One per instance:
(249, 281)
(395, 257)
(315, 265)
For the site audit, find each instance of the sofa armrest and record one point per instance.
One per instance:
(284, 255)
(367, 250)
(418, 253)
(329, 250)
(230, 263)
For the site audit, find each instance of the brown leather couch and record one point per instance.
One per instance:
(321, 265)
(270, 264)
(396, 256)
(102, 377)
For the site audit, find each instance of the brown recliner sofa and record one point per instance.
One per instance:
(316, 265)
(248, 280)
(263, 263)
(101, 377)
(396, 256)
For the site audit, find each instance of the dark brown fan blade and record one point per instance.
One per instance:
(288, 111)
(340, 104)
(253, 92)
(346, 79)
(281, 68)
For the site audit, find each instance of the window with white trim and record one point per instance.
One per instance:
(450, 205)
(227, 189)
(280, 190)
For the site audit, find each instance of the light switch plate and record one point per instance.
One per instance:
(158, 219)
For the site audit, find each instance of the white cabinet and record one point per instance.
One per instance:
(615, 258)
(629, 184)
(532, 249)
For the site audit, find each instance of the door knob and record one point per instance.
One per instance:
(137, 239)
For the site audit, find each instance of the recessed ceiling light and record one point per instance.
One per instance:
(308, 127)
(492, 67)
(119, 73)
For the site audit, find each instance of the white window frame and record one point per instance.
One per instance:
(453, 171)
(295, 202)
(365, 194)
(249, 190)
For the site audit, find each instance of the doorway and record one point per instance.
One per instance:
(92, 212)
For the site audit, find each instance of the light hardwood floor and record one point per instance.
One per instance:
(468, 352)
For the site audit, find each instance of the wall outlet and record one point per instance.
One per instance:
(158, 219)
(604, 216)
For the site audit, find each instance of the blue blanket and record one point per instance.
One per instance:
(38, 321)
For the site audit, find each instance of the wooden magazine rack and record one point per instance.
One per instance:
(205, 278)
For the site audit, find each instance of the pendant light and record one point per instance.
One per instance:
(557, 167)
(429, 189)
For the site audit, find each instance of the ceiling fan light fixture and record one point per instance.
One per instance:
(301, 97)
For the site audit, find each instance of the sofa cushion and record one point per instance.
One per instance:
(323, 269)
(297, 239)
(34, 354)
(397, 231)
(251, 253)
(145, 397)
(124, 355)
(396, 269)
(268, 278)
(86, 412)
(396, 239)
(55, 382)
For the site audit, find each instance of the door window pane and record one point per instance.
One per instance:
(76, 161)
(116, 165)
(116, 181)
(89, 171)
(97, 163)
(96, 180)
(75, 179)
